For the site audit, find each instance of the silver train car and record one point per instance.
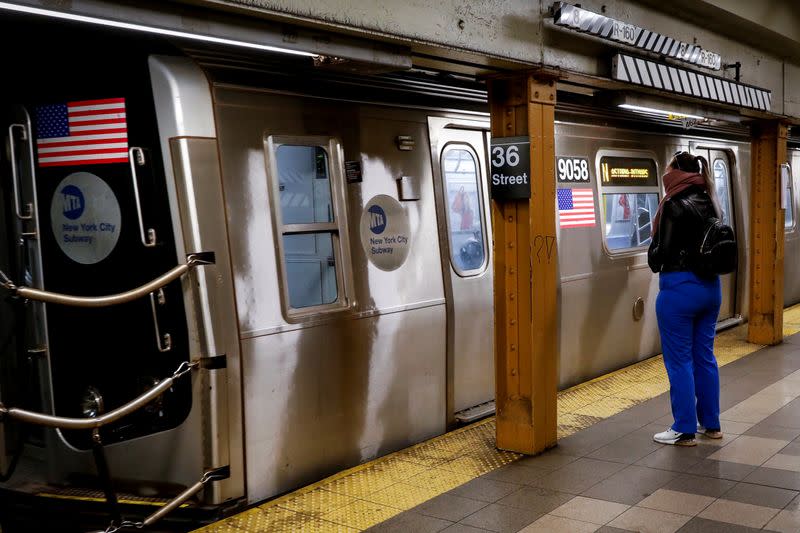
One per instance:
(338, 296)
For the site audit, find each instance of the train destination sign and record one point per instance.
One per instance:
(628, 171)
(578, 19)
(510, 159)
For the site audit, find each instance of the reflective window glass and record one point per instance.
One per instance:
(788, 203)
(628, 219)
(722, 185)
(304, 184)
(464, 209)
(310, 269)
(307, 183)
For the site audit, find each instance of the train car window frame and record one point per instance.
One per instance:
(727, 201)
(480, 213)
(336, 226)
(787, 195)
(606, 190)
(730, 164)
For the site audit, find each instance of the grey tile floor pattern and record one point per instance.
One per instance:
(612, 477)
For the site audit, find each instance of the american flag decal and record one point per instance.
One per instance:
(575, 208)
(89, 132)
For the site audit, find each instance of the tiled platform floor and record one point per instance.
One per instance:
(612, 477)
(460, 482)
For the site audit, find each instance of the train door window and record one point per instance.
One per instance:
(466, 230)
(787, 196)
(308, 211)
(629, 192)
(721, 181)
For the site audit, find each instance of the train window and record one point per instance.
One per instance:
(308, 207)
(721, 181)
(305, 187)
(464, 210)
(788, 196)
(310, 268)
(629, 219)
(629, 192)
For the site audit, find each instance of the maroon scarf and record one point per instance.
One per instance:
(676, 181)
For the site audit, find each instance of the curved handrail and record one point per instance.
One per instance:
(192, 260)
(61, 422)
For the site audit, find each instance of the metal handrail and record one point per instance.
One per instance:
(192, 260)
(174, 503)
(136, 157)
(28, 215)
(60, 422)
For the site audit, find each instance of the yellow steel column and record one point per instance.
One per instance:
(768, 152)
(526, 311)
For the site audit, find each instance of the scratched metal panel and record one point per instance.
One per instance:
(791, 266)
(598, 290)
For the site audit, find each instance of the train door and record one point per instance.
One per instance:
(459, 162)
(82, 185)
(722, 166)
(791, 250)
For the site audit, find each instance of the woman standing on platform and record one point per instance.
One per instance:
(687, 305)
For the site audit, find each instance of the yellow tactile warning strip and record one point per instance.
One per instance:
(368, 494)
(791, 320)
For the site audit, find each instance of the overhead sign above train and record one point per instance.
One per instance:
(678, 80)
(579, 19)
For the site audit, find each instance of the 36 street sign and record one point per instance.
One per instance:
(510, 160)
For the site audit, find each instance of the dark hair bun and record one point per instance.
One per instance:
(687, 162)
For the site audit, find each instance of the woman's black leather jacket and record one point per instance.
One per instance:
(680, 230)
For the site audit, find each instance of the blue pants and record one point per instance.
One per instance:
(687, 309)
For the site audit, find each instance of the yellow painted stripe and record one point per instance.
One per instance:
(365, 495)
(101, 500)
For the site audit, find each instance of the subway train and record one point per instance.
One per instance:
(297, 260)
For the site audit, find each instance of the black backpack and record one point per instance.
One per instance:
(717, 253)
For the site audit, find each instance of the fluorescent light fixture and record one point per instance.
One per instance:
(149, 29)
(664, 112)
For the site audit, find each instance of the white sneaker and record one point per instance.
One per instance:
(670, 436)
(710, 433)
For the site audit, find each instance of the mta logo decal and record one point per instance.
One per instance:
(377, 219)
(74, 202)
